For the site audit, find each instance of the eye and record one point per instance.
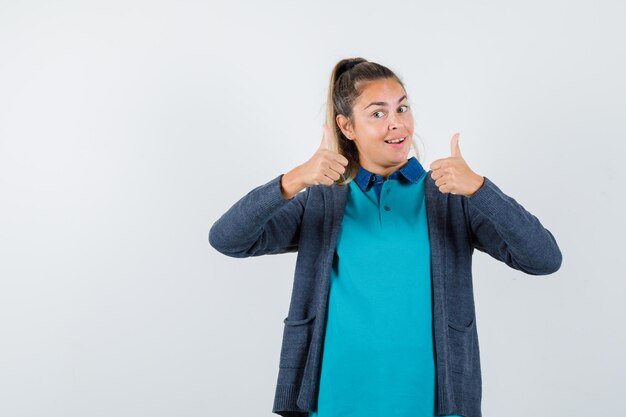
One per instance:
(375, 113)
(406, 107)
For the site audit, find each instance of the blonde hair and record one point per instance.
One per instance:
(347, 80)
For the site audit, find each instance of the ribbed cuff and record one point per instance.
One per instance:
(286, 398)
(272, 200)
(488, 198)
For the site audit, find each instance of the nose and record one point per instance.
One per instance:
(393, 124)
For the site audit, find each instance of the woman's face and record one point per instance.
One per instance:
(381, 113)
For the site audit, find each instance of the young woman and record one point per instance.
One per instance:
(382, 319)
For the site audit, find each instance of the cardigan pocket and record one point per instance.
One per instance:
(461, 346)
(296, 341)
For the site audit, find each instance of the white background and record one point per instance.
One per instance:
(128, 127)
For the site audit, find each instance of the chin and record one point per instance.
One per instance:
(405, 156)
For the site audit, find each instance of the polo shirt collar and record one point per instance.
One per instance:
(412, 171)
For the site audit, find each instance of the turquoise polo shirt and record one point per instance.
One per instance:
(378, 357)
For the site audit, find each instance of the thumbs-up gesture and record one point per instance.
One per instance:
(324, 167)
(453, 175)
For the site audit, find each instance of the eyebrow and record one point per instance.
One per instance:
(382, 103)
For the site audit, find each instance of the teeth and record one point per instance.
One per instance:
(395, 140)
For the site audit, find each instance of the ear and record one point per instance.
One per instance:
(344, 124)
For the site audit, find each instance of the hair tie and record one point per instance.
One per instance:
(348, 66)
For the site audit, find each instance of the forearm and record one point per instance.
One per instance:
(262, 221)
(512, 233)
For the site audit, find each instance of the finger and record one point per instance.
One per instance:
(337, 167)
(436, 164)
(341, 159)
(333, 175)
(326, 138)
(331, 169)
(332, 156)
(441, 180)
(326, 180)
(455, 150)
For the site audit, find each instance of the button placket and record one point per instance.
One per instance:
(385, 194)
(384, 207)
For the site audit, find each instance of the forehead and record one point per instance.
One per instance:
(388, 90)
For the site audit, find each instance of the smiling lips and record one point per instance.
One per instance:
(395, 142)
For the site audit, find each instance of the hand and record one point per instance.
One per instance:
(453, 175)
(325, 167)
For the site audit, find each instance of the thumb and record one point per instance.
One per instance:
(326, 138)
(454, 146)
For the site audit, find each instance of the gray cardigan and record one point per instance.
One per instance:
(264, 222)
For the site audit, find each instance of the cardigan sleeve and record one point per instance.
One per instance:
(261, 222)
(501, 227)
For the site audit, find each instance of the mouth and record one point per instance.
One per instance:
(396, 142)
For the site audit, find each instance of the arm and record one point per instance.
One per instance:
(262, 222)
(502, 228)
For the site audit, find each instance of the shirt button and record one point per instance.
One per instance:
(387, 208)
